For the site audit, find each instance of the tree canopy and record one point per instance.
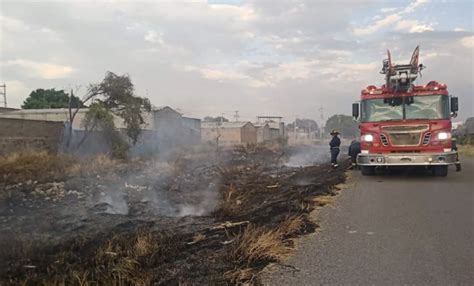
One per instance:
(344, 124)
(215, 119)
(116, 94)
(101, 118)
(50, 98)
(309, 125)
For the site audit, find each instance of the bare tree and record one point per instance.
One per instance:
(116, 93)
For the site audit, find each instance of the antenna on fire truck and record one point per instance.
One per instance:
(400, 77)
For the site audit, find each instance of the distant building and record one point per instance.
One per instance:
(263, 132)
(469, 125)
(229, 133)
(277, 129)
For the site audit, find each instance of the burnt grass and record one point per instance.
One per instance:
(181, 224)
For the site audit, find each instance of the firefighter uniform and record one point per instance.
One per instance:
(454, 147)
(354, 150)
(334, 147)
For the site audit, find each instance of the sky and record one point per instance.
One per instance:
(280, 58)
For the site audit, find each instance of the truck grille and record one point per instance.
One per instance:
(384, 139)
(427, 138)
(405, 135)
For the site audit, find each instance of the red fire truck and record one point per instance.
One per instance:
(402, 124)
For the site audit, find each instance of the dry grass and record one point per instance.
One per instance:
(42, 166)
(31, 165)
(244, 276)
(257, 245)
(348, 183)
(100, 164)
(324, 200)
(121, 259)
(292, 226)
(466, 150)
(231, 201)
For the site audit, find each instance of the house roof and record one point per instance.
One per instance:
(239, 124)
(258, 125)
(274, 125)
(163, 108)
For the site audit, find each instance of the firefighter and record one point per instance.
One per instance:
(454, 147)
(334, 147)
(354, 150)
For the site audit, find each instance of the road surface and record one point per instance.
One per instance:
(398, 229)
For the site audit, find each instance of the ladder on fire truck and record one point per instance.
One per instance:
(400, 77)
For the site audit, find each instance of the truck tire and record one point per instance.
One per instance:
(367, 170)
(440, 171)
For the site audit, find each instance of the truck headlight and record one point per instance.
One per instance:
(443, 135)
(367, 138)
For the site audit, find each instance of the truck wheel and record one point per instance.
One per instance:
(367, 170)
(440, 171)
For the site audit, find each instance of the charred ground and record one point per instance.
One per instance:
(199, 217)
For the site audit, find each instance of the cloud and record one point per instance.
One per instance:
(413, 5)
(468, 42)
(220, 75)
(43, 70)
(388, 10)
(153, 37)
(385, 22)
(412, 26)
(279, 57)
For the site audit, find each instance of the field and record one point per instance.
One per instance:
(197, 217)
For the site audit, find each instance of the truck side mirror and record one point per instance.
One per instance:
(454, 104)
(355, 110)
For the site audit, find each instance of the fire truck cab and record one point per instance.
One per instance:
(405, 125)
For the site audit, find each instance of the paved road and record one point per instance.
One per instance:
(401, 229)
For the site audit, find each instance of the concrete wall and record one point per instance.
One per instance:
(249, 134)
(263, 133)
(192, 130)
(169, 127)
(21, 134)
(225, 136)
(229, 134)
(209, 133)
(57, 115)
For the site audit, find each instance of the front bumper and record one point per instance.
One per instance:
(407, 159)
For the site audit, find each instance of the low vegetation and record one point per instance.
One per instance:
(199, 218)
(32, 165)
(466, 150)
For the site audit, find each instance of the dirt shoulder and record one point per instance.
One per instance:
(200, 218)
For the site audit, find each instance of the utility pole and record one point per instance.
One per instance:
(321, 116)
(294, 129)
(3, 92)
(236, 116)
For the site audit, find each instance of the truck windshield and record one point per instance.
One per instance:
(427, 107)
(382, 109)
(413, 107)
